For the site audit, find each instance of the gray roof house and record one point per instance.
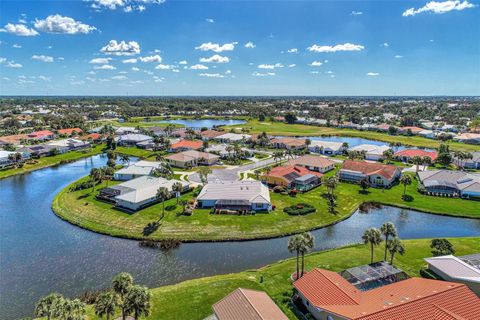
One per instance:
(132, 138)
(473, 163)
(465, 269)
(449, 182)
(236, 196)
(135, 170)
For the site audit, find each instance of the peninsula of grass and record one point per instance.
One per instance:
(193, 299)
(52, 161)
(82, 209)
(284, 129)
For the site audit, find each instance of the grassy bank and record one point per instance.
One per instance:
(193, 299)
(283, 129)
(81, 208)
(52, 161)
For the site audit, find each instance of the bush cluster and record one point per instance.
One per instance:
(299, 209)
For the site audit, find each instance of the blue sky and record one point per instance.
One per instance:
(156, 47)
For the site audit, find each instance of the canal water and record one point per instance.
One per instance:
(40, 253)
(204, 123)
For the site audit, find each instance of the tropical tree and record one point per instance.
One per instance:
(395, 246)
(183, 202)
(177, 187)
(15, 158)
(105, 304)
(373, 237)
(417, 161)
(441, 247)
(46, 306)
(294, 245)
(257, 173)
(229, 149)
(331, 183)
(308, 242)
(125, 158)
(121, 285)
(345, 146)
(203, 173)
(388, 230)
(162, 195)
(137, 301)
(406, 180)
(72, 310)
(278, 156)
(364, 185)
(95, 175)
(427, 160)
(388, 154)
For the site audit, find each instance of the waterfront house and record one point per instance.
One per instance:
(473, 163)
(288, 143)
(288, 176)
(5, 160)
(377, 174)
(69, 132)
(131, 139)
(246, 304)
(471, 138)
(326, 147)
(210, 134)
(192, 158)
(464, 269)
(411, 129)
(41, 135)
(184, 145)
(135, 170)
(450, 183)
(244, 195)
(138, 193)
(16, 139)
(94, 137)
(408, 154)
(372, 152)
(327, 295)
(42, 150)
(70, 144)
(313, 163)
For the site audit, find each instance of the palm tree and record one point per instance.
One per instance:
(308, 242)
(395, 246)
(95, 175)
(388, 154)
(203, 172)
(331, 183)
(45, 307)
(427, 160)
(388, 230)
(373, 237)
(417, 161)
(345, 146)
(257, 173)
(137, 301)
(105, 304)
(162, 195)
(183, 202)
(294, 245)
(125, 158)
(121, 285)
(405, 180)
(73, 310)
(229, 149)
(177, 187)
(15, 158)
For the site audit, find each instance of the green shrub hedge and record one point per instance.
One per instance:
(299, 209)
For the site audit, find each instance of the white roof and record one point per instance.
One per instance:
(145, 187)
(141, 167)
(5, 154)
(134, 137)
(233, 136)
(252, 191)
(455, 268)
(66, 142)
(371, 148)
(326, 144)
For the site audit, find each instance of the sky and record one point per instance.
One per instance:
(249, 48)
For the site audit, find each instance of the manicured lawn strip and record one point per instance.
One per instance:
(52, 161)
(139, 153)
(193, 299)
(82, 209)
(283, 129)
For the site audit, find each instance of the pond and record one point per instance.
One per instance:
(204, 123)
(353, 142)
(41, 253)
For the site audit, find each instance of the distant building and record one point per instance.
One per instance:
(192, 158)
(135, 170)
(289, 176)
(42, 150)
(326, 147)
(232, 137)
(313, 162)
(71, 144)
(42, 135)
(408, 154)
(210, 134)
(372, 152)
(377, 174)
(184, 145)
(131, 139)
(125, 130)
(221, 150)
(69, 132)
(472, 138)
(473, 163)
(288, 143)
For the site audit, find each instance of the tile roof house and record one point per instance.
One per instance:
(472, 138)
(192, 158)
(184, 145)
(15, 139)
(458, 269)
(288, 143)
(69, 131)
(412, 129)
(313, 162)
(408, 154)
(221, 150)
(326, 147)
(377, 174)
(41, 135)
(372, 152)
(42, 150)
(247, 304)
(210, 134)
(286, 176)
(235, 195)
(95, 137)
(450, 182)
(327, 295)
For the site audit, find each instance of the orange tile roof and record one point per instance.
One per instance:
(93, 136)
(292, 142)
(69, 131)
(410, 153)
(40, 134)
(187, 144)
(312, 161)
(284, 171)
(211, 133)
(385, 170)
(14, 139)
(414, 298)
(413, 129)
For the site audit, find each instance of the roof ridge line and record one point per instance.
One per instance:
(341, 289)
(250, 302)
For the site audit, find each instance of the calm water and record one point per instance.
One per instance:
(40, 253)
(353, 142)
(207, 123)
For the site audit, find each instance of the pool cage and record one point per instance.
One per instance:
(374, 275)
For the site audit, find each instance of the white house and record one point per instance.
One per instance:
(125, 130)
(132, 139)
(71, 144)
(135, 170)
(232, 137)
(326, 147)
(372, 152)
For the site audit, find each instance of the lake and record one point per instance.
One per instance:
(41, 253)
(204, 123)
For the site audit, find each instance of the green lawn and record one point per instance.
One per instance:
(52, 161)
(283, 129)
(193, 299)
(82, 209)
(140, 153)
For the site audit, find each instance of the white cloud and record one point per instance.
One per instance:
(267, 74)
(211, 75)
(13, 64)
(210, 20)
(59, 24)
(100, 61)
(44, 78)
(199, 67)
(329, 72)
(385, 44)
(19, 30)
(270, 66)
(135, 69)
(215, 59)
(373, 74)
(155, 58)
(292, 50)
(398, 56)
(316, 64)
(336, 48)
(292, 65)
(2, 60)
(215, 47)
(60, 58)
(440, 7)
(183, 62)
(228, 72)
(133, 60)
(356, 13)
(121, 48)
(250, 45)
(119, 77)
(158, 79)
(42, 58)
(165, 67)
(314, 72)
(126, 5)
(104, 67)
(16, 46)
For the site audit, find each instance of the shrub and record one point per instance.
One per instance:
(278, 189)
(299, 209)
